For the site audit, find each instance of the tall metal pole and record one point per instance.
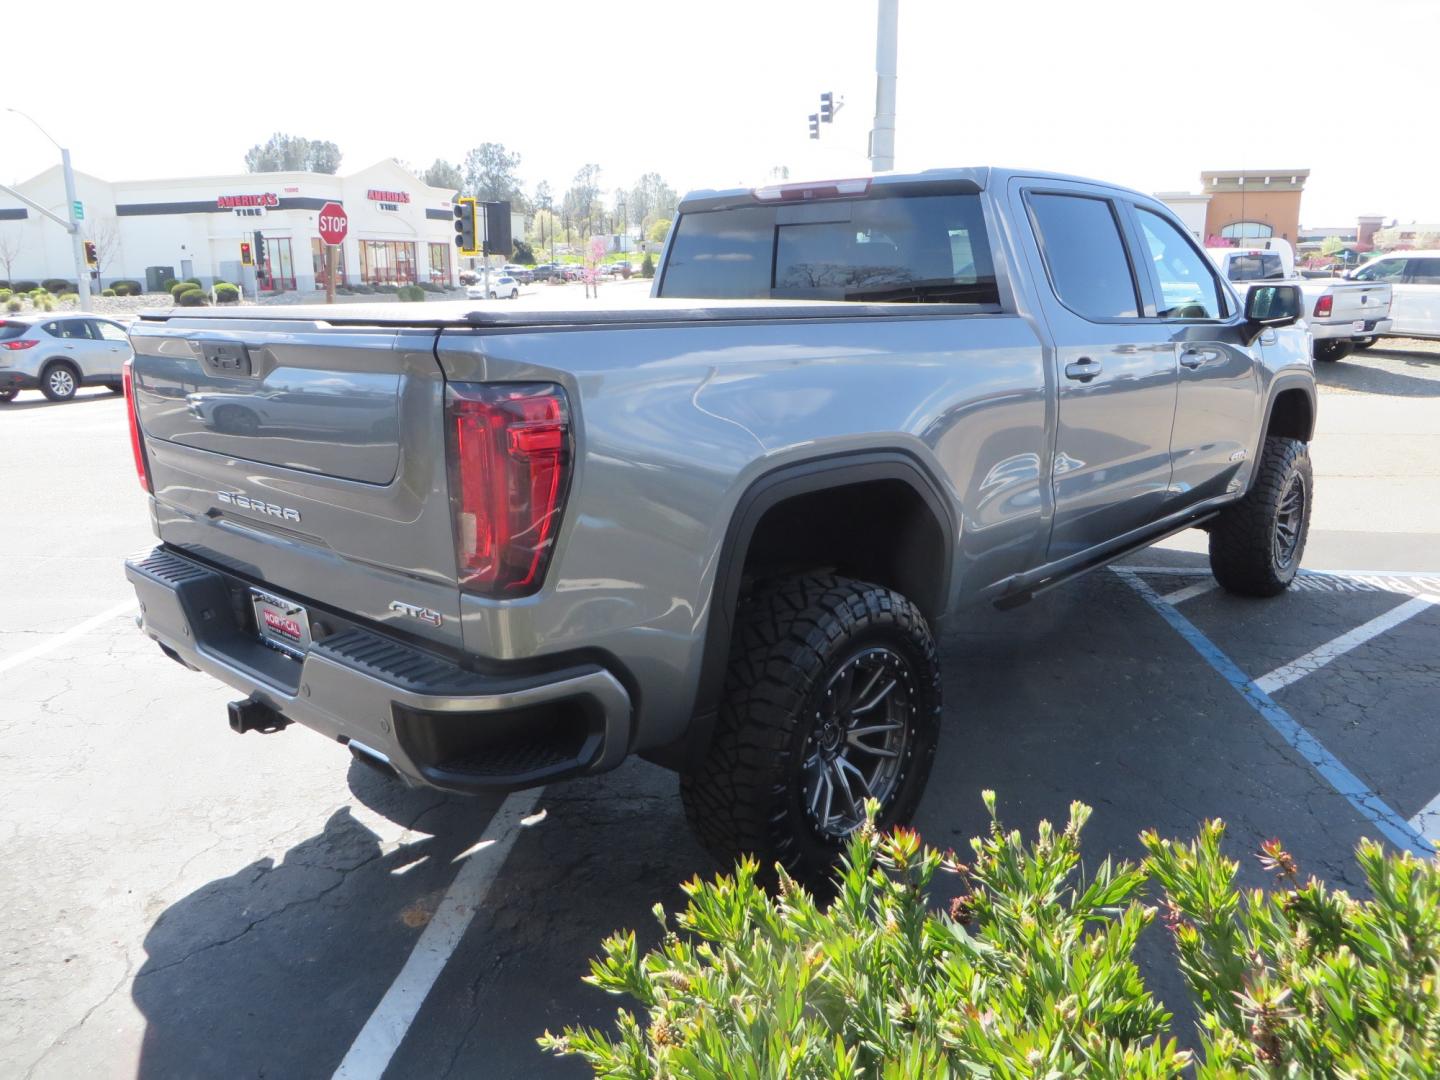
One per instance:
(77, 246)
(887, 35)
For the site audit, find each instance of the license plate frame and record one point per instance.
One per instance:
(1358, 326)
(281, 624)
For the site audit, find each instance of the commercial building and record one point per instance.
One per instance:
(1252, 204)
(401, 230)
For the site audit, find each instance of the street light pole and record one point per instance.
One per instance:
(77, 246)
(887, 34)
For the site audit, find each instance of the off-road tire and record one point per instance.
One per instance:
(791, 636)
(53, 384)
(1330, 351)
(1244, 554)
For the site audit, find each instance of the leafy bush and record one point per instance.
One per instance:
(193, 298)
(196, 282)
(361, 288)
(410, 293)
(169, 284)
(126, 287)
(14, 304)
(70, 298)
(225, 293)
(43, 302)
(182, 287)
(432, 287)
(5, 294)
(107, 292)
(1029, 970)
(647, 266)
(56, 286)
(24, 286)
(387, 288)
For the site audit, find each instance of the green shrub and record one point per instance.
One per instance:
(14, 304)
(182, 287)
(193, 298)
(432, 287)
(5, 294)
(107, 292)
(44, 302)
(196, 282)
(225, 293)
(126, 287)
(647, 266)
(24, 286)
(387, 288)
(69, 298)
(5, 286)
(56, 286)
(410, 293)
(1028, 971)
(361, 288)
(169, 284)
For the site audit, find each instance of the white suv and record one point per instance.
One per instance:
(1414, 279)
(58, 354)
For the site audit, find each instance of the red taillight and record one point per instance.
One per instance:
(509, 450)
(1324, 306)
(23, 343)
(137, 447)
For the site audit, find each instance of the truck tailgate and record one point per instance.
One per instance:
(305, 455)
(1356, 301)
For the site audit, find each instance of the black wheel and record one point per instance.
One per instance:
(514, 294)
(1256, 545)
(8, 395)
(59, 381)
(492, 296)
(237, 420)
(1330, 351)
(832, 696)
(115, 388)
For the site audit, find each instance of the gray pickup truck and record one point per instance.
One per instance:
(490, 549)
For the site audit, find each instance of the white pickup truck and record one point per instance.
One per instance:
(1342, 315)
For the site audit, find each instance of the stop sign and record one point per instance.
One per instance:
(334, 223)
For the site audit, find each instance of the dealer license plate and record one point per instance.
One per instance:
(283, 624)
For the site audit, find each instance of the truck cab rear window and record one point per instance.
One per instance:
(929, 248)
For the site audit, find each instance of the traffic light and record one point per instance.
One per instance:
(466, 236)
(247, 257)
(814, 125)
(827, 108)
(91, 258)
(259, 249)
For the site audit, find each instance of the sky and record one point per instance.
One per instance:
(1145, 94)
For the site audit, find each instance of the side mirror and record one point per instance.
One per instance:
(1273, 305)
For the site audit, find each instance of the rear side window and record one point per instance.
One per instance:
(1424, 271)
(68, 328)
(922, 248)
(1259, 266)
(1080, 240)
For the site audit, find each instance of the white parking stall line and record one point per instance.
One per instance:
(1405, 582)
(34, 652)
(1189, 592)
(1317, 658)
(369, 1055)
(1366, 802)
(1427, 821)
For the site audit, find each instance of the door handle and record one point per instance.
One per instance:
(1083, 370)
(1194, 358)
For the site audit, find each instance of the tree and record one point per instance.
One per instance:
(442, 174)
(524, 253)
(581, 205)
(489, 172)
(105, 235)
(1332, 245)
(543, 227)
(659, 230)
(11, 242)
(651, 198)
(543, 198)
(292, 153)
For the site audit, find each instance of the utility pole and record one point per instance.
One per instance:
(887, 36)
(72, 226)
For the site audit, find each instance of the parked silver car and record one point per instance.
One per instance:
(58, 354)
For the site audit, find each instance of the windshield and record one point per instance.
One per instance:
(1381, 270)
(923, 248)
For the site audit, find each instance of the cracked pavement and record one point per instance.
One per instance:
(182, 902)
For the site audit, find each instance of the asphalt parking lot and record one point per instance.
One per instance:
(180, 901)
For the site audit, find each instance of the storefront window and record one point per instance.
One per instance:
(440, 264)
(279, 271)
(387, 262)
(317, 256)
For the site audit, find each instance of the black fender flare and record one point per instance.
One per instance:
(760, 496)
(1282, 384)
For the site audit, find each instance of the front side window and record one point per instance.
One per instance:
(1080, 240)
(1188, 289)
(1382, 270)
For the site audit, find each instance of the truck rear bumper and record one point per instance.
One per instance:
(434, 722)
(1346, 331)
